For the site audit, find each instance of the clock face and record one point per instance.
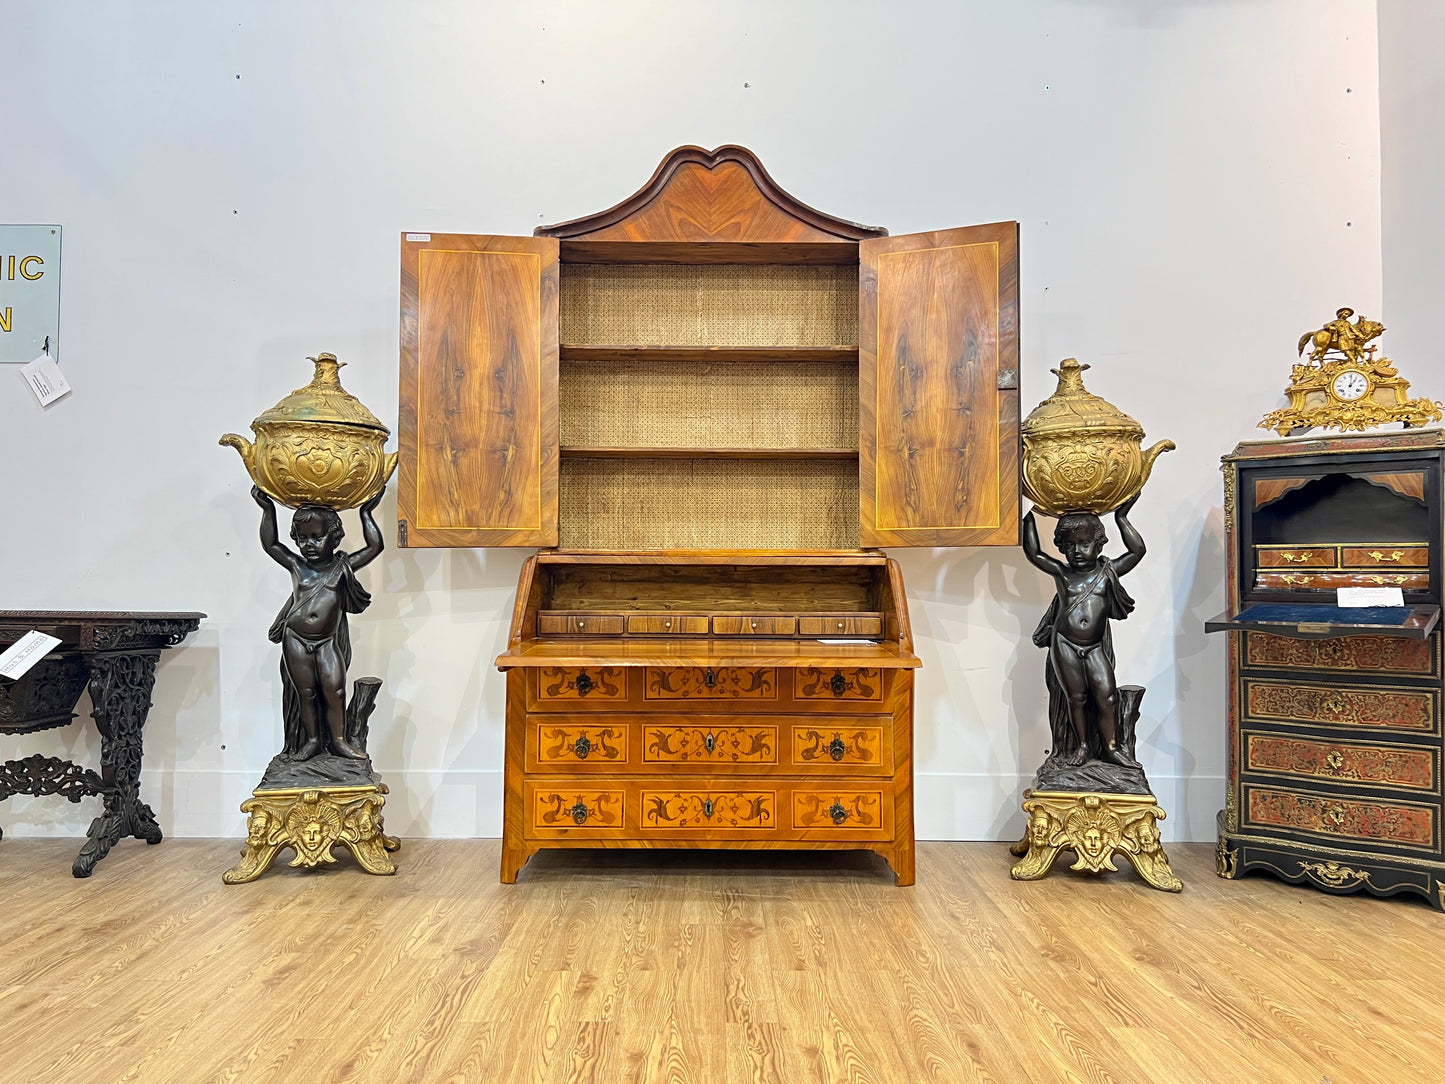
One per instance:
(1350, 385)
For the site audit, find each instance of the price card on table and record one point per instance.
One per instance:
(25, 652)
(1370, 596)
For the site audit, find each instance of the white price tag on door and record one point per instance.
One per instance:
(25, 653)
(45, 379)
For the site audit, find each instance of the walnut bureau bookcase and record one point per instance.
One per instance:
(681, 401)
(1335, 740)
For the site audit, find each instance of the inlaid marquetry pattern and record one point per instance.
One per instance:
(852, 746)
(1378, 821)
(579, 809)
(579, 683)
(843, 810)
(1398, 709)
(1381, 765)
(692, 744)
(590, 743)
(700, 683)
(837, 683)
(1388, 653)
(706, 809)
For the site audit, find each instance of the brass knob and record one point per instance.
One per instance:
(840, 624)
(667, 624)
(755, 624)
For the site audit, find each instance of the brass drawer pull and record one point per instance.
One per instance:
(1383, 557)
(839, 685)
(579, 812)
(837, 749)
(584, 684)
(582, 747)
(1305, 556)
(1300, 580)
(837, 812)
(1387, 579)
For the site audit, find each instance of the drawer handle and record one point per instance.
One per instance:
(580, 622)
(1305, 556)
(579, 812)
(755, 624)
(709, 678)
(667, 624)
(1383, 557)
(1301, 580)
(837, 749)
(839, 685)
(709, 743)
(584, 684)
(1387, 579)
(837, 812)
(582, 747)
(707, 808)
(840, 624)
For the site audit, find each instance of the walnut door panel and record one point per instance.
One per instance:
(1393, 655)
(938, 388)
(478, 398)
(1397, 767)
(1403, 710)
(1342, 819)
(575, 808)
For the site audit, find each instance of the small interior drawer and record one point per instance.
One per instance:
(754, 625)
(1295, 556)
(668, 624)
(1386, 556)
(841, 625)
(553, 624)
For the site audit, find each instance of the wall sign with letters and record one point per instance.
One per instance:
(29, 292)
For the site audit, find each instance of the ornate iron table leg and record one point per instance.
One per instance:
(120, 689)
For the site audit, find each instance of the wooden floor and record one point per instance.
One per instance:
(645, 966)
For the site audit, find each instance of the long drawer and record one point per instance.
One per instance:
(1311, 760)
(1312, 703)
(579, 808)
(798, 745)
(1359, 821)
(1384, 655)
(764, 689)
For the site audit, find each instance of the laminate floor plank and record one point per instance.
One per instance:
(681, 967)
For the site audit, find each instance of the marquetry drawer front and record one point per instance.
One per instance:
(574, 686)
(576, 809)
(1396, 824)
(562, 744)
(840, 626)
(1295, 556)
(847, 812)
(1332, 581)
(573, 625)
(754, 625)
(825, 748)
(1386, 654)
(1387, 556)
(668, 624)
(703, 811)
(1412, 710)
(711, 683)
(1406, 767)
(838, 683)
(710, 744)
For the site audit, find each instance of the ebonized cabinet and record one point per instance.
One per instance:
(1334, 714)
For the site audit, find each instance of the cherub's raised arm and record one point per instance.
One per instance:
(370, 532)
(1037, 557)
(1132, 539)
(269, 541)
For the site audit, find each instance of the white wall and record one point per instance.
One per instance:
(1197, 183)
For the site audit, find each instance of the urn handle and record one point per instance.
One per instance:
(584, 684)
(582, 746)
(579, 812)
(837, 749)
(838, 812)
(839, 684)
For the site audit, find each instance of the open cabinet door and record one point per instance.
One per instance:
(938, 388)
(478, 398)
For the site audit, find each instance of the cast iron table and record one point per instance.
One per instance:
(114, 654)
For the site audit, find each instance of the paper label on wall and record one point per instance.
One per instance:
(418, 237)
(45, 379)
(25, 653)
(1370, 596)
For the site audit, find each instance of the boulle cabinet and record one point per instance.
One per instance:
(1334, 760)
(709, 407)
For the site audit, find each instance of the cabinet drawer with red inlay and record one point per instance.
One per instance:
(1338, 705)
(1398, 824)
(1386, 654)
(1407, 767)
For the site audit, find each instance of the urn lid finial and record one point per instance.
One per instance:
(322, 400)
